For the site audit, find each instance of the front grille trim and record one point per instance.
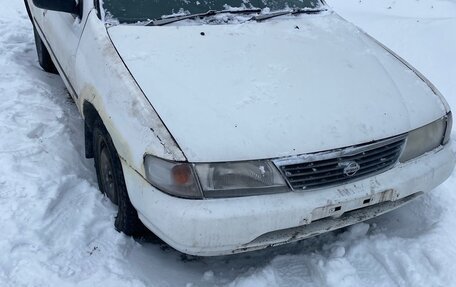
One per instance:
(322, 169)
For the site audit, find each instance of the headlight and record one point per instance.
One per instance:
(175, 178)
(240, 178)
(214, 179)
(427, 138)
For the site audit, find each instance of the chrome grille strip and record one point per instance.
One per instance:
(312, 171)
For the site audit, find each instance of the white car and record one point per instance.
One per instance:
(225, 126)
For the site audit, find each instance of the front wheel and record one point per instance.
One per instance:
(111, 181)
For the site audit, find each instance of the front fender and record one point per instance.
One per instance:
(105, 82)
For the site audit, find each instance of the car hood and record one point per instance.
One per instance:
(285, 86)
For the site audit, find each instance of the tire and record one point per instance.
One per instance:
(44, 58)
(112, 183)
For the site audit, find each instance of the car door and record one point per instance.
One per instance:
(62, 32)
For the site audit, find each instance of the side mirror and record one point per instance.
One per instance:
(67, 6)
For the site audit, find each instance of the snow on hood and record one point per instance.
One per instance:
(281, 87)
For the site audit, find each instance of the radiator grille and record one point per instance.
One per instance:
(338, 167)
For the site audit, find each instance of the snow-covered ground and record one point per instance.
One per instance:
(57, 229)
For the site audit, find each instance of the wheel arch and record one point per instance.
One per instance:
(127, 220)
(90, 115)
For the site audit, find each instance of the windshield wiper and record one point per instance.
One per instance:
(288, 12)
(172, 19)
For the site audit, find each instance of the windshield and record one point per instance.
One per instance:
(131, 11)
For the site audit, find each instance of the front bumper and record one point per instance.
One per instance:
(232, 225)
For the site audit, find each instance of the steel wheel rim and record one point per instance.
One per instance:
(107, 174)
